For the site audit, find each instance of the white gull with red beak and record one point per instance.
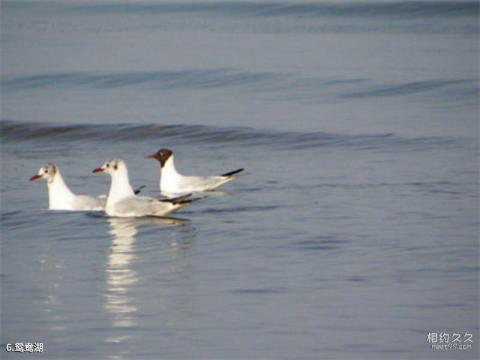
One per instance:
(60, 197)
(172, 182)
(122, 201)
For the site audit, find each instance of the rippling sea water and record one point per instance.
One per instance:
(353, 232)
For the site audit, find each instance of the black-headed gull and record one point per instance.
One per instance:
(172, 182)
(60, 197)
(122, 201)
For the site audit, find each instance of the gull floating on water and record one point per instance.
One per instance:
(122, 201)
(60, 197)
(172, 182)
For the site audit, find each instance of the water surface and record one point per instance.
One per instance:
(353, 232)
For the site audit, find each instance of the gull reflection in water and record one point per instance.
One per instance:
(121, 278)
(53, 269)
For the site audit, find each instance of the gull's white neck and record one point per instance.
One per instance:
(60, 197)
(120, 187)
(168, 174)
(169, 166)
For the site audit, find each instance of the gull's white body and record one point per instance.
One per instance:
(60, 197)
(172, 182)
(122, 202)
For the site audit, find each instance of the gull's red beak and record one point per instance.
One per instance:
(97, 170)
(153, 157)
(35, 177)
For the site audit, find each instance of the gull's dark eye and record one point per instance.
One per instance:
(46, 171)
(108, 165)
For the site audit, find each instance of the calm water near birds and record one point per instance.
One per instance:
(352, 233)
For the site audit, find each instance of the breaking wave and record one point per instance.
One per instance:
(13, 131)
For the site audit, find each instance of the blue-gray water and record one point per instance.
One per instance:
(353, 232)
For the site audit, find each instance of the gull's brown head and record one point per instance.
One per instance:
(161, 155)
